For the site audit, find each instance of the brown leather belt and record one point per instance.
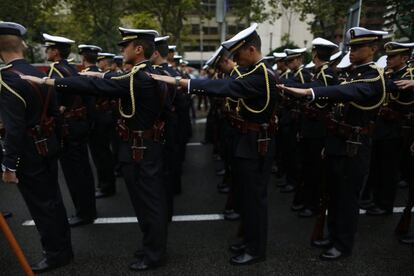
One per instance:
(244, 125)
(388, 114)
(346, 130)
(126, 134)
(105, 105)
(76, 114)
(313, 113)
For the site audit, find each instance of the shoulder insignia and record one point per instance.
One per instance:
(8, 88)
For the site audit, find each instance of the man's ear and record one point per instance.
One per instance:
(405, 58)
(138, 49)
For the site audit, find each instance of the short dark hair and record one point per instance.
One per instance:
(148, 46)
(253, 40)
(10, 43)
(119, 62)
(324, 53)
(162, 48)
(64, 51)
(90, 57)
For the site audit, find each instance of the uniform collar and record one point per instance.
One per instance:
(400, 72)
(365, 64)
(146, 61)
(17, 61)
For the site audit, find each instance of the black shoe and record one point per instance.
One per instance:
(102, 194)
(142, 264)
(221, 172)
(376, 211)
(139, 253)
(402, 184)
(325, 243)
(407, 240)
(306, 213)
(246, 259)
(237, 248)
(46, 264)
(224, 190)
(297, 207)
(332, 254)
(78, 221)
(287, 189)
(232, 216)
(7, 215)
(366, 204)
(280, 174)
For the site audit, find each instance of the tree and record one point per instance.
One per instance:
(399, 16)
(170, 14)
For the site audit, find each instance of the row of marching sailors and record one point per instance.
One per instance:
(351, 151)
(92, 121)
(44, 124)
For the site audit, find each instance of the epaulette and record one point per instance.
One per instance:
(409, 73)
(134, 70)
(299, 72)
(155, 66)
(53, 68)
(235, 70)
(380, 77)
(8, 88)
(6, 67)
(266, 75)
(130, 75)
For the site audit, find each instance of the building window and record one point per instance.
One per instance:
(210, 30)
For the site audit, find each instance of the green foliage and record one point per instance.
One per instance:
(400, 15)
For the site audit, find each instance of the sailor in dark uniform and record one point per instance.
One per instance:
(172, 163)
(28, 111)
(226, 68)
(140, 130)
(388, 135)
(312, 127)
(73, 130)
(405, 101)
(117, 65)
(283, 70)
(348, 144)
(284, 73)
(171, 53)
(253, 146)
(289, 126)
(105, 61)
(102, 123)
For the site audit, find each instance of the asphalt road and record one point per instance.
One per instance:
(200, 247)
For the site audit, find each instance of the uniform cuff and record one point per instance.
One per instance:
(311, 97)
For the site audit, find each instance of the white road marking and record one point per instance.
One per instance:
(121, 220)
(201, 121)
(206, 217)
(194, 144)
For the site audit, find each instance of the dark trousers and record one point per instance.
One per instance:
(171, 161)
(291, 155)
(99, 144)
(79, 178)
(148, 196)
(312, 170)
(383, 176)
(346, 176)
(254, 175)
(38, 184)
